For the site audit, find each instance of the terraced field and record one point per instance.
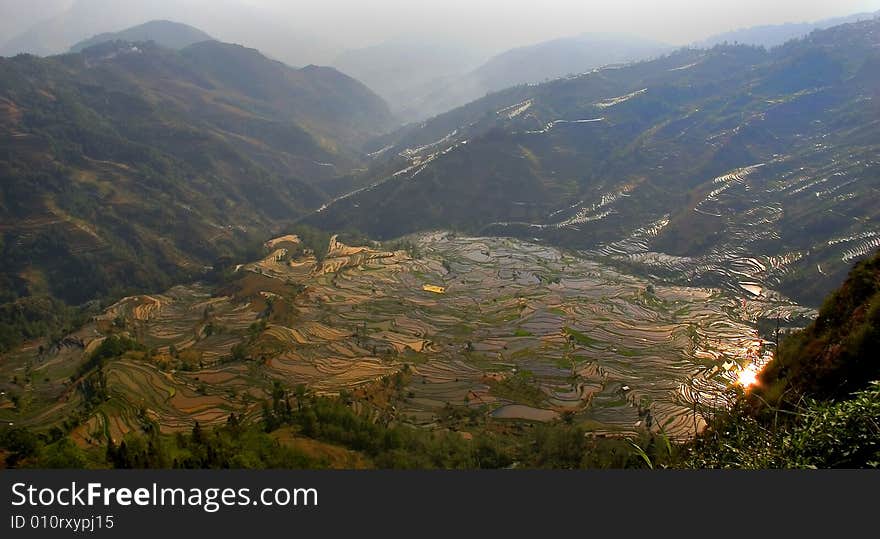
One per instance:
(532, 333)
(789, 225)
(516, 330)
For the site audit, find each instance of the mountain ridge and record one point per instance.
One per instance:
(130, 166)
(645, 143)
(773, 35)
(169, 34)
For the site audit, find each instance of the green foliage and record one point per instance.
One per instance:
(112, 347)
(144, 196)
(239, 352)
(411, 248)
(836, 434)
(836, 354)
(21, 444)
(312, 240)
(62, 454)
(390, 446)
(38, 316)
(227, 446)
(26, 449)
(520, 387)
(816, 405)
(579, 337)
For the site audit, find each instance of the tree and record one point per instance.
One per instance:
(197, 434)
(300, 391)
(239, 352)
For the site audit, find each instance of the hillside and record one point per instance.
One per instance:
(14, 16)
(130, 166)
(421, 80)
(60, 24)
(835, 355)
(732, 166)
(527, 357)
(433, 335)
(773, 35)
(171, 35)
(404, 70)
(817, 403)
(534, 64)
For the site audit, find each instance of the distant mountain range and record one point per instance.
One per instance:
(16, 16)
(421, 80)
(129, 165)
(402, 70)
(97, 142)
(419, 77)
(733, 166)
(172, 35)
(597, 243)
(538, 63)
(59, 25)
(772, 35)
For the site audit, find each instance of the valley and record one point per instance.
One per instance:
(212, 259)
(513, 330)
(735, 158)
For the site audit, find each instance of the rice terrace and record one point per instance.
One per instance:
(513, 332)
(557, 256)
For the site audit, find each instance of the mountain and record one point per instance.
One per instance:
(337, 109)
(562, 57)
(773, 35)
(733, 166)
(816, 404)
(833, 356)
(236, 21)
(76, 21)
(172, 35)
(441, 90)
(16, 15)
(544, 61)
(437, 333)
(403, 69)
(130, 166)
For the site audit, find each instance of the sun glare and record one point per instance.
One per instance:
(748, 377)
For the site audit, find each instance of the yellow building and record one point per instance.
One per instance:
(434, 289)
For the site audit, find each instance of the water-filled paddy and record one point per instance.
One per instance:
(513, 330)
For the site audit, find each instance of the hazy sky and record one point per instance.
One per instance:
(303, 31)
(504, 23)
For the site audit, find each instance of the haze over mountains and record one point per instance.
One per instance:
(405, 70)
(17, 17)
(582, 162)
(420, 76)
(448, 81)
(772, 35)
(137, 163)
(729, 162)
(442, 252)
(230, 20)
(168, 34)
(454, 82)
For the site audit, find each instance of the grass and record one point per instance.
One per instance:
(580, 338)
(816, 434)
(520, 389)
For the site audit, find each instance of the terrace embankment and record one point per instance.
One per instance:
(521, 332)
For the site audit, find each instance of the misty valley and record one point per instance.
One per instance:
(588, 252)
